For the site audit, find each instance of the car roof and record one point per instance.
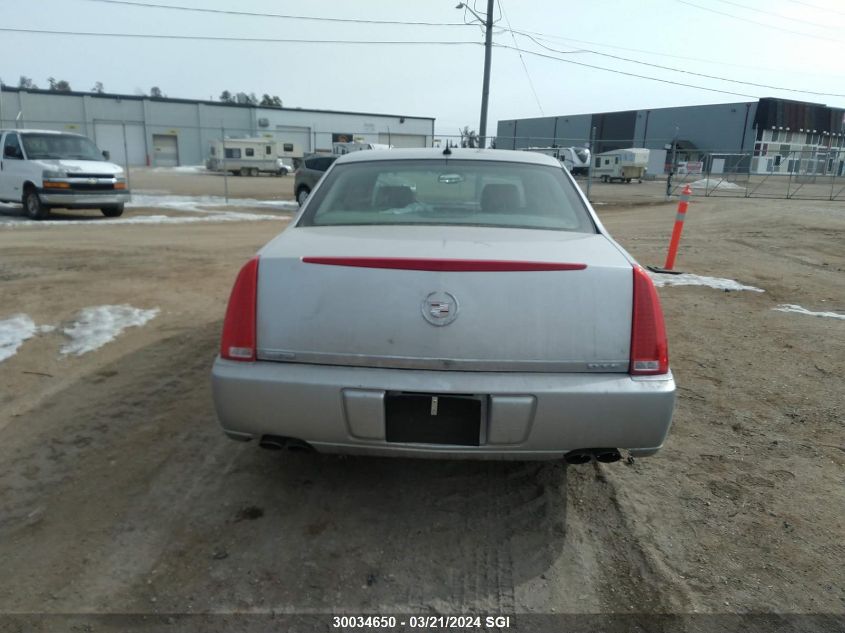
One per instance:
(455, 153)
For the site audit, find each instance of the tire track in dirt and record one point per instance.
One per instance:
(143, 506)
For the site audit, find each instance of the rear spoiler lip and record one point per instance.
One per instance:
(444, 265)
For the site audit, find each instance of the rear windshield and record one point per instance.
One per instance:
(463, 192)
(39, 146)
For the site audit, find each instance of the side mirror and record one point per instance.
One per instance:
(106, 154)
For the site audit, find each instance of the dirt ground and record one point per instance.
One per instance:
(120, 495)
(204, 183)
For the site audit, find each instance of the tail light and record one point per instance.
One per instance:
(238, 340)
(649, 348)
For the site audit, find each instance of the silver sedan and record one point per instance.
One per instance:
(446, 303)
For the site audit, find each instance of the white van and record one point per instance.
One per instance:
(42, 169)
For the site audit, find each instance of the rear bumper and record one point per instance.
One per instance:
(526, 415)
(84, 199)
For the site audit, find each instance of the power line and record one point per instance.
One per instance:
(763, 24)
(817, 7)
(628, 74)
(566, 40)
(214, 38)
(421, 43)
(521, 58)
(681, 70)
(255, 14)
(152, 5)
(775, 15)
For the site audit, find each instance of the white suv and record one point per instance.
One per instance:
(43, 169)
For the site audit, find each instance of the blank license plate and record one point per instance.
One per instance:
(432, 419)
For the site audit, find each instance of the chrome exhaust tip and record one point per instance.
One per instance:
(607, 455)
(578, 457)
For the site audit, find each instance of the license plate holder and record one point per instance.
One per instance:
(419, 418)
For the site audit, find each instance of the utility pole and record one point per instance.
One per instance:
(485, 92)
(672, 166)
(487, 20)
(590, 166)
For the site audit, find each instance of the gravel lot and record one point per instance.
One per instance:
(120, 495)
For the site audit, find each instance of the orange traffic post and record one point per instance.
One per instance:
(679, 227)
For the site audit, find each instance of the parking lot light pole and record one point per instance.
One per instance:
(488, 55)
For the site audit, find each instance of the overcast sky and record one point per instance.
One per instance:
(781, 43)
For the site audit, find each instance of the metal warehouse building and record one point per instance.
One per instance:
(765, 136)
(139, 130)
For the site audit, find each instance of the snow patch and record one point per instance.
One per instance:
(181, 169)
(200, 203)
(712, 183)
(222, 216)
(15, 330)
(688, 279)
(96, 326)
(791, 307)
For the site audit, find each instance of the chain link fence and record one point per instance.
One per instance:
(817, 174)
(812, 173)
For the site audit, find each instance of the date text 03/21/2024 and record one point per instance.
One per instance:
(422, 622)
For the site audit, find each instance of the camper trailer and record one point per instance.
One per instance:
(623, 165)
(252, 156)
(575, 159)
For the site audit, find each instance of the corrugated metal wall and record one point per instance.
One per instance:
(720, 127)
(193, 125)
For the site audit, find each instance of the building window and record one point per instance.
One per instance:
(268, 149)
(250, 151)
(775, 135)
(288, 147)
(233, 152)
(598, 162)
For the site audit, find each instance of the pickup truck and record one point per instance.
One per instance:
(43, 169)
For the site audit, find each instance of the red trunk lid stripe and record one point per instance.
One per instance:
(443, 265)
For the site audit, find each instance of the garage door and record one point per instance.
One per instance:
(109, 136)
(402, 140)
(292, 134)
(165, 150)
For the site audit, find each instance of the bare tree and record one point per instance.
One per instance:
(226, 97)
(98, 88)
(469, 138)
(156, 93)
(26, 83)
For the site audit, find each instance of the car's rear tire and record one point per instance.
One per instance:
(112, 212)
(35, 209)
(302, 195)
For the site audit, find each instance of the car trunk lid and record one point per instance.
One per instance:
(460, 298)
